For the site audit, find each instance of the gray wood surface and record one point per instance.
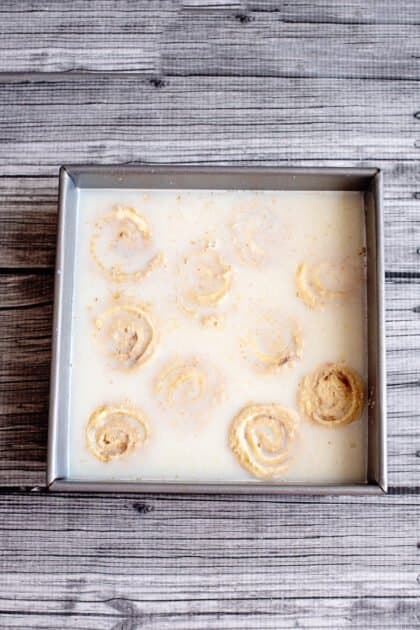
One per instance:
(203, 82)
(210, 563)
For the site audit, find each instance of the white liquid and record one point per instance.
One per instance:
(307, 226)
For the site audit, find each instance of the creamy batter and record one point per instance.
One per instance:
(225, 299)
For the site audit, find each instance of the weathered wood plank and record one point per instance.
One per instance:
(26, 289)
(228, 38)
(28, 237)
(28, 209)
(268, 43)
(26, 340)
(205, 120)
(28, 222)
(23, 440)
(25, 347)
(25, 350)
(187, 562)
(322, 11)
(273, 613)
(52, 622)
(50, 38)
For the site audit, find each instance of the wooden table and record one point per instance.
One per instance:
(325, 82)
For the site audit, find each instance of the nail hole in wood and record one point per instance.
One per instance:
(243, 18)
(157, 83)
(143, 508)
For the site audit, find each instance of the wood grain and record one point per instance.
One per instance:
(254, 42)
(49, 38)
(338, 613)
(209, 562)
(369, 40)
(23, 290)
(205, 120)
(28, 222)
(25, 350)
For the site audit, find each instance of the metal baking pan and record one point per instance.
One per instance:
(73, 178)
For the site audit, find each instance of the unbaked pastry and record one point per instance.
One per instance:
(262, 437)
(188, 385)
(127, 332)
(204, 279)
(332, 395)
(120, 239)
(255, 233)
(325, 282)
(115, 431)
(274, 343)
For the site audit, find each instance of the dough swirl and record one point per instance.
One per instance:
(128, 334)
(249, 233)
(120, 239)
(204, 279)
(262, 437)
(212, 278)
(115, 431)
(332, 395)
(325, 282)
(273, 344)
(188, 385)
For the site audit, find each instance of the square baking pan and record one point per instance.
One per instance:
(74, 178)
